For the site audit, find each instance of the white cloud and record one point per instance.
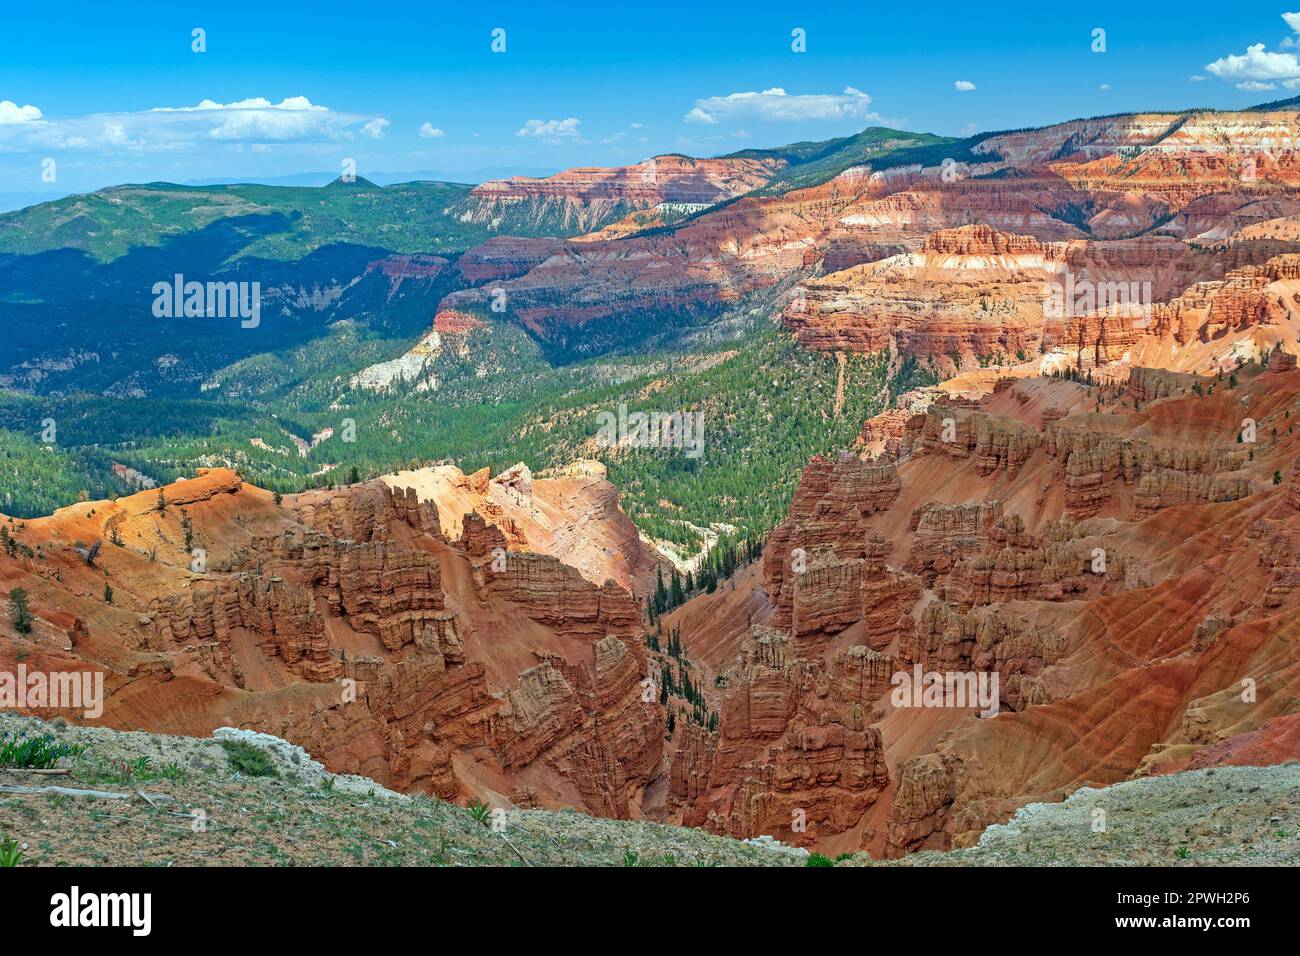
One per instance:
(1258, 64)
(776, 105)
(1105, 87)
(1256, 86)
(115, 134)
(551, 130)
(1196, 78)
(963, 86)
(1255, 64)
(257, 120)
(294, 117)
(429, 131)
(11, 114)
(291, 103)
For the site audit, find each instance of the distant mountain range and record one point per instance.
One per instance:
(11, 201)
(472, 176)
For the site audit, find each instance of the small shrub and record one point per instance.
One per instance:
(249, 760)
(816, 859)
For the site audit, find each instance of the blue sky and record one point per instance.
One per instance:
(109, 91)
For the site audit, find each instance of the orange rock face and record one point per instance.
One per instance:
(572, 515)
(794, 754)
(1274, 741)
(948, 264)
(1129, 577)
(349, 622)
(585, 198)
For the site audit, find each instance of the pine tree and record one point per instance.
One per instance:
(675, 643)
(19, 615)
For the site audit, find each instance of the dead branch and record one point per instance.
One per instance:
(516, 849)
(78, 792)
(39, 772)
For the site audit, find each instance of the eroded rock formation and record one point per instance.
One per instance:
(348, 621)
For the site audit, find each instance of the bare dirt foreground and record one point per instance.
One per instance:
(195, 802)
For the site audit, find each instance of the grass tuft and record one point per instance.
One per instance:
(35, 753)
(11, 854)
